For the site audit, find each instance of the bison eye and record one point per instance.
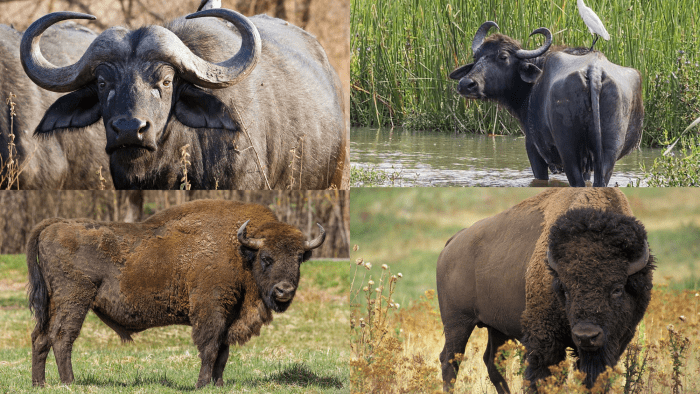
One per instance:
(503, 56)
(617, 291)
(167, 83)
(265, 262)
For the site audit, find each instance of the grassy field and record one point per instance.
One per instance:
(403, 50)
(407, 228)
(302, 350)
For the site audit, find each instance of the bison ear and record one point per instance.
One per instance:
(74, 110)
(529, 72)
(198, 109)
(461, 71)
(307, 256)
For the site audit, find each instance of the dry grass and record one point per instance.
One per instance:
(397, 351)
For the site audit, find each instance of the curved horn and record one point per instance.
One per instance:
(637, 265)
(43, 72)
(233, 70)
(550, 260)
(481, 34)
(316, 242)
(525, 54)
(252, 243)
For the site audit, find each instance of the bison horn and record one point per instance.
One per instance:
(524, 54)
(43, 72)
(252, 243)
(637, 265)
(550, 260)
(481, 34)
(316, 242)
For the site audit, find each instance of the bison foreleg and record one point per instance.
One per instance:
(540, 357)
(496, 340)
(209, 334)
(221, 359)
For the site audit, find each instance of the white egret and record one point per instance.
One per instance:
(595, 26)
(209, 4)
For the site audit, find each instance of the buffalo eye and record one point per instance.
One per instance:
(617, 291)
(167, 82)
(503, 56)
(101, 84)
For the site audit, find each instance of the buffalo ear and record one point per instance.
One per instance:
(529, 72)
(74, 110)
(198, 109)
(458, 73)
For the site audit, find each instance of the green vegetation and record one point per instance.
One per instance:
(302, 350)
(403, 50)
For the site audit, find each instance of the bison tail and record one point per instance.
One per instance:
(37, 291)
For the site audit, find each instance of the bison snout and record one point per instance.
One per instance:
(587, 336)
(283, 292)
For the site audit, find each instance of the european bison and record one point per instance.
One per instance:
(65, 161)
(579, 112)
(566, 268)
(259, 105)
(218, 266)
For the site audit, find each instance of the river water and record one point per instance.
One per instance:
(416, 158)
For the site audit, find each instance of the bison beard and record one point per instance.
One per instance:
(594, 363)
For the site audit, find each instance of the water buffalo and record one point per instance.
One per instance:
(159, 89)
(218, 266)
(565, 268)
(578, 111)
(65, 161)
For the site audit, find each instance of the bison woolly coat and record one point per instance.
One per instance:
(184, 265)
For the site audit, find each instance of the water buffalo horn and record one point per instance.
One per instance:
(550, 260)
(635, 266)
(316, 242)
(524, 54)
(231, 71)
(252, 243)
(481, 34)
(43, 72)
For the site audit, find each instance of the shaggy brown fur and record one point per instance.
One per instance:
(495, 274)
(183, 265)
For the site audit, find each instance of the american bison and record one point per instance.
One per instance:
(564, 269)
(66, 161)
(579, 111)
(254, 102)
(221, 267)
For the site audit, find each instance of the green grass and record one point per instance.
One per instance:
(407, 229)
(403, 50)
(302, 350)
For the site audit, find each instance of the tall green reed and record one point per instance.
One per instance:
(403, 50)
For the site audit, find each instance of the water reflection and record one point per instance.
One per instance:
(416, 158)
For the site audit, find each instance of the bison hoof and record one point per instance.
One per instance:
(219, 382)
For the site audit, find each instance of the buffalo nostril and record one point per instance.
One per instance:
(133, 126)
(467, 85)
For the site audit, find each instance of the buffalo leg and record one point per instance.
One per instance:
(208, 333)
(539, 166)
(496, 340)
(221, 359)
(573, 172)
(456, 338)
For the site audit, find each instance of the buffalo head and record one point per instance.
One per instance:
(500, 65)
(275, 254)
(602, 278)
(136, 81)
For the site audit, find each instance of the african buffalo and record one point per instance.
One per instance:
(65, 161)
(218, 266)
(578, 111)
(565, 268)
(160, 90)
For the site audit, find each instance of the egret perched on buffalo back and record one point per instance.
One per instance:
(595, 26)
(209, 4)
